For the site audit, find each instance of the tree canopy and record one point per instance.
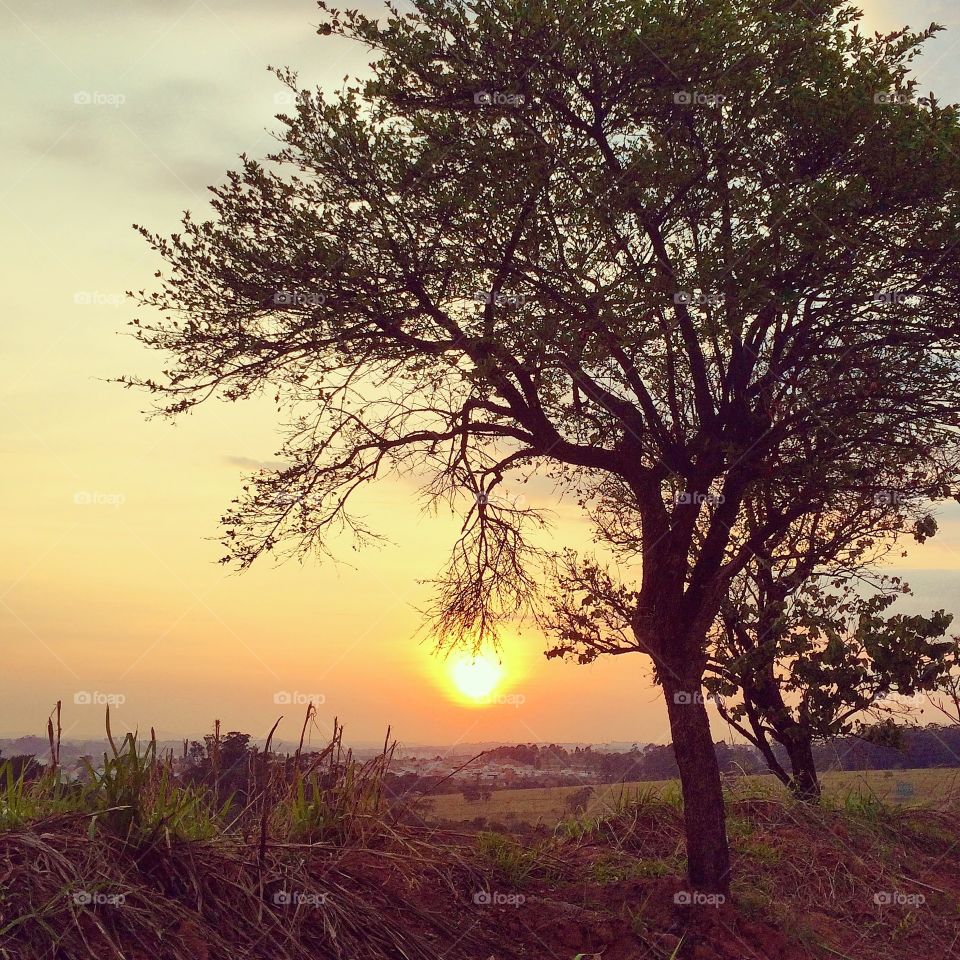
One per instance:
(671, 255)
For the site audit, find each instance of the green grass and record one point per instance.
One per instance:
(615, 867)
(512, 862)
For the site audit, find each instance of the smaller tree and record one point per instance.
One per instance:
(822, 663)
(222, 761)
(946, 698)
(475, 791)
(576, 802)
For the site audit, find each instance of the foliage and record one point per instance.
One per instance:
(674, 258)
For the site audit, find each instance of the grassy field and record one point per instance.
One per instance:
(141, 861)
(548, 805)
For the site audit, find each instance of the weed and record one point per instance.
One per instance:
(513, 862)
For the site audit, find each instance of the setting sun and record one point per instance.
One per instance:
(476, 677)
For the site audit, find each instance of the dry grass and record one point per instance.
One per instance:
(548, 805)
(78, 895)
(137, 865)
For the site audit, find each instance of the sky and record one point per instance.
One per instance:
(110, 589)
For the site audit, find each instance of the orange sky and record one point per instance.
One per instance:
(109, 583)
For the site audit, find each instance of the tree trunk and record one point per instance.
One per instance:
(804, 783)
(708, 854)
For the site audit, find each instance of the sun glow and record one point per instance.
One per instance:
(476, 677)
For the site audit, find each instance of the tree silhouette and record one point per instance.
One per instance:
(801, 649)
(666, 256)
(820, 663)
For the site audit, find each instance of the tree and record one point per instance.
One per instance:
(800, 646)
(222, 761)
(576, 801)
(662, 255)
(829, 664)
(946, 698)
(474, 791)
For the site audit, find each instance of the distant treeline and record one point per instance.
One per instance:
(552, 765)
(917, 748)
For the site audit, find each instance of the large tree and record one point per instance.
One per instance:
(665, 252)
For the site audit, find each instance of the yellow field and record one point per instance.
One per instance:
(548, 805)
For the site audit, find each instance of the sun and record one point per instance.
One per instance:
(476, 677)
